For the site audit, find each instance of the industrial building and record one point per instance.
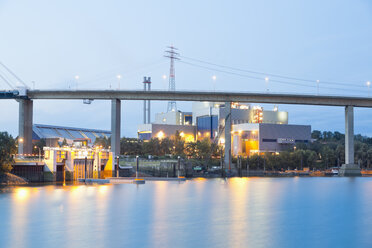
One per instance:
(253, 128)
(250, 138)
(167, 125)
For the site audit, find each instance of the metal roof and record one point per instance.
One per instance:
(41, 131)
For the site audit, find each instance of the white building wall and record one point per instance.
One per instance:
(169, 118)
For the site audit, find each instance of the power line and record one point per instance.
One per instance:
(6, 81)
(273, 75)
(104, 76)
(259, 78)
(14, 75)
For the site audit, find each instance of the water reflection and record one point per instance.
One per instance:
(239, 212)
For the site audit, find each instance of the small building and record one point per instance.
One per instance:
(70, 161)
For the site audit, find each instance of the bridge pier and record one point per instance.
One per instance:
(227, 159)
(25, 126)
(349, 168)
(115, 129)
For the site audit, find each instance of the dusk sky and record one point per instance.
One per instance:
(50, 42)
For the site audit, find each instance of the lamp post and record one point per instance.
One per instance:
(20, 142)
(368, 85)
(118, 77)
(317, 86)
(77, 81)
(137, 166)
(178, 166)
(117, 166)
(214, 78)
(85, 153)
(267, 83)
(39, 152)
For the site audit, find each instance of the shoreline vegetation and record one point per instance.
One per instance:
(8, 179)
(326, 150)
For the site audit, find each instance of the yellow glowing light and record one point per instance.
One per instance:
(182, 134)
(266, 79)
(20, 140)
(189, 138)
(222, 141)
(160, 135)
(22, 193)
(102, 189)
(254, 132)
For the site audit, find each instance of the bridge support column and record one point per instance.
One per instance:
(349, 168)
(115, 129)
(227, 159)
(25, 126)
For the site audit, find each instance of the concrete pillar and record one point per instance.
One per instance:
(349, 135)
(25, 126)
(115, 129)
(349, 168)
(227, 159)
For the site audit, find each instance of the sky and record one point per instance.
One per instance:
(50, 42)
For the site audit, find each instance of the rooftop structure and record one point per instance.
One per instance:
(174, 118)
(40, 131)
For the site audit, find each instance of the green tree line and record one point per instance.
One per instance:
(174, 146)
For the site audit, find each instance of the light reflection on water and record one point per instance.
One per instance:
(239, 212)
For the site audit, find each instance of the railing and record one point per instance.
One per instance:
(27, 158)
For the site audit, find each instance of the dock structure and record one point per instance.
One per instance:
(118, 180)
(26, 98)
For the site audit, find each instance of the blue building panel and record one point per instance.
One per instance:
(207, 125)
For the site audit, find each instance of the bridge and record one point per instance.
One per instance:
(26, 98)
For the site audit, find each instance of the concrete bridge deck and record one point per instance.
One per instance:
(202, 96)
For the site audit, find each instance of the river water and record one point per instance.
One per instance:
(238, 212)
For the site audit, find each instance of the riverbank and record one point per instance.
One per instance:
(10, 179)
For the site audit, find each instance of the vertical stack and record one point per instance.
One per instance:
(146, 103)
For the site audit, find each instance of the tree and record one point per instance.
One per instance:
(190, 149)
(104, 142)
(203, 149)
(7, 148)
(131, 146)
(316, 135)
(179, 144)
(166, 146)
(151, 147)
(328, 156)
(39, 145)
